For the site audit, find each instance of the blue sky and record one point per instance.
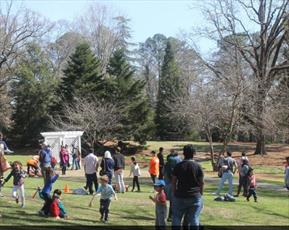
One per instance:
(148, 17)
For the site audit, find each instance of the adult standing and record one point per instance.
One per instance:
(3, 145)
(107, 166)
(64, 159)
(90, 169)
(154, 166)
(45, 157)
(187, 188)
(229, 168)
(75, 158)
(172, 160)
(119, 166)
(162, 163)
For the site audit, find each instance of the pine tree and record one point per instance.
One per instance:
(128, 93)
(82, 77)
(34, 95)
(169, 88)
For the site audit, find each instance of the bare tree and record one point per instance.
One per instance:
(99, 120)
(17, 28)
(261, 25)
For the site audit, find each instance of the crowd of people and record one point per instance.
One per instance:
(177, 181)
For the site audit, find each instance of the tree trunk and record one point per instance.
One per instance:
(260, 106)
(210, 139)
(260, 145)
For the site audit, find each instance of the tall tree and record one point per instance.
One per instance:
(264, 35)
(128, 93)
(34, 95)
(169, 86)
(82, 77)
(151, 57)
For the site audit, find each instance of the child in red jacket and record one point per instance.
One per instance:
(252, 185)
(56, 208)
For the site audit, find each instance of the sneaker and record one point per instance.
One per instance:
(105, 221)
(236, 195)
(22, 206)
(17, 200)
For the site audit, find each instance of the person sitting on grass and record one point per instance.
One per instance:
(135, 171)
(44, 194)
(106, 193)
(252, 185)
(18, 182)
(160, 204)
(57, 209)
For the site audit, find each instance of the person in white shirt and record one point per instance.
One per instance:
(90, 169)
(135, 171)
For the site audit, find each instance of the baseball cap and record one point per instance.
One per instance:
(160, 183)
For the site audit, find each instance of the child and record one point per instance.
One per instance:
(161, 205)
(135, 171)
(18, 182)
(252, 185)
(106, 192)
(51, 177)
(34, 165)
(56, 208)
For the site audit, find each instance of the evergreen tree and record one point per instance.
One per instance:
(82, 77)
(34, 95)
(169, 88)
(128, 93)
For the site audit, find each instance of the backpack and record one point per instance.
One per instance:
(226, 166)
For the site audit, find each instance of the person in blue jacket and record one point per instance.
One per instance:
(44, 194)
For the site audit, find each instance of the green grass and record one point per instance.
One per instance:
(137, 209)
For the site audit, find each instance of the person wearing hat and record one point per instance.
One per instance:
(160, 204)
(106, 193)
(107, 166)
(187, 190)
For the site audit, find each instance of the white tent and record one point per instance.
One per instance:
(57, 139)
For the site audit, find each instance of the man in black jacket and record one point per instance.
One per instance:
(119, 165)
(187, 188)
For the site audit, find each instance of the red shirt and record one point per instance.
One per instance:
(161, 197)
(54, 208)
(252, 180)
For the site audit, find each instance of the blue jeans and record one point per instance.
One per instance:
(188, 210)
(226, 176)
(75, 162)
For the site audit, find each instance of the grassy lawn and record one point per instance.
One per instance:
(136, 208)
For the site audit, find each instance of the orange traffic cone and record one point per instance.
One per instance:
(66, 189)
